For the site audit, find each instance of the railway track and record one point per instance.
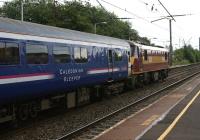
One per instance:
(94, 128)
(82, 120)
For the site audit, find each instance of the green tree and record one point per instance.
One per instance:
(189, 54)
(186, 55)
(144, 40)
(76, 15)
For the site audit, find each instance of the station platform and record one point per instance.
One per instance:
(175, 116)
(181, 123)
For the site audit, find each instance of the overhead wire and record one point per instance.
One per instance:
(135, 15)
(125, 10)
(166, 10)
(179, 36)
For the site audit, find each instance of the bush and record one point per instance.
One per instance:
(186, 55)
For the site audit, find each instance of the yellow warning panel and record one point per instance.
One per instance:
(150, 120)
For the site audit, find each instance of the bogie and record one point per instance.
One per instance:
(22, 112)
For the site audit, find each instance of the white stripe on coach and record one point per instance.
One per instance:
(97, 71)
(25, 79)
(102, 71)
(115, 69)
(57, 40)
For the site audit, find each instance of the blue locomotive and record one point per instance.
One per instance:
(43, 66)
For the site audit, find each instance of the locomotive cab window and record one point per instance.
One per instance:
(165, 55)
(136, 52)
(80, 55)
(61, 54)
(132, 50)
(36, 54)
(9, 53)
(145, 55)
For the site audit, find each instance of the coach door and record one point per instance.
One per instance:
(110, 64)
(129, 62)
(138, 59)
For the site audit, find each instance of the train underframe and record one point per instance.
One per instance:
(146, 78)
(79, 97)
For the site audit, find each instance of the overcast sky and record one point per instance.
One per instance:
(186, 28)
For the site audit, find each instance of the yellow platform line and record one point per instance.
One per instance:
(168, 130)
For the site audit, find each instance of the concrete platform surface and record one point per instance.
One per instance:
(138, 125)
(181, 123)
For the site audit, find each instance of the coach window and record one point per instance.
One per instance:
(9, 53)
(118, 55)
(36, 54)
(77, 54)
(12, 53)
(61, 54)
(84, 54)
(145, 55)
(2, 53)
(80, 55)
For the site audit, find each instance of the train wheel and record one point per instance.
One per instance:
(106, 92)
(131, 84)
(139, 81)
(95, 93)
(33, 110)
(22, 112)
(166, 73)
(161, 76)
(83, 96)
(147, 78)
(155, 76)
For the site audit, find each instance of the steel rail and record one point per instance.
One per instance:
(73, 133)
(183, 66)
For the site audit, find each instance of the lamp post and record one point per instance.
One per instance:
(22, 8)
(95, 25)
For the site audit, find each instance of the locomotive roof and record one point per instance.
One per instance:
(153, 48)
(145, 47)
(27, 28)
